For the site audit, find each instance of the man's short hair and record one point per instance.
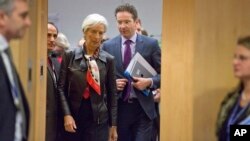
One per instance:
(8, 5)
(128, 8)
(51, 23)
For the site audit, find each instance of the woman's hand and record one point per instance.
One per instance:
(113, 134)
(69, 124)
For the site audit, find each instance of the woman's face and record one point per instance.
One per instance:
(241, 62)
(94, 36)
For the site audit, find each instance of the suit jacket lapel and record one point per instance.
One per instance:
(139, 44)
(118, 53)
(56, 65)
(3, 74)
(51, 72)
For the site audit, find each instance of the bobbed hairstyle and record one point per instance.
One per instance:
(94, 19)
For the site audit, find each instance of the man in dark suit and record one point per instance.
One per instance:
(14, 111)
(53, 66)
(136, 111)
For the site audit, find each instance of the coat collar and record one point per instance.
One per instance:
(139, 43)
(79, 51)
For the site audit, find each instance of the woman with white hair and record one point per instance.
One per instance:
(87, 87)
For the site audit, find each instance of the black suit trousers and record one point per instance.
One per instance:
(133, 123)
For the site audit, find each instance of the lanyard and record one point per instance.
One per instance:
(14, 90)
(235, 116)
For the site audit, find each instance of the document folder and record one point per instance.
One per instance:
(139, 67)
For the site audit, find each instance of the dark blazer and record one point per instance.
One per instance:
(52, 104)
(226, 108)
(72, 83)
(150, 50)
(7, 108)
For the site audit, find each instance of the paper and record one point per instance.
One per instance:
(139, 67)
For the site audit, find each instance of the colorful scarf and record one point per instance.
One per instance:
(92, 75)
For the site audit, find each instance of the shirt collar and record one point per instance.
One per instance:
(133, 38)
(3, 43)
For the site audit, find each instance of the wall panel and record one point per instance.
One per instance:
(199, 37)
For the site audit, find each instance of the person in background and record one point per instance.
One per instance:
(14, 110)
(87, 87)
(52, 34)
(140, 29)
(53, 66)
(105, 38)
(136, 111)
(235, 108)
(61, 45)
(81, 42)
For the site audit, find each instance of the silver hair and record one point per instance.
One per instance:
(62, 41)
(94, 19)
(6, 6)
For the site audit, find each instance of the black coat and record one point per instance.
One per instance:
(72, 82)
(52, 104)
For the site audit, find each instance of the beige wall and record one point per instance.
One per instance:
(177, 73)
(198, 43)
(29, 55)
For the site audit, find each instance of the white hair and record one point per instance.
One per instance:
(62, 41)
(94, 19)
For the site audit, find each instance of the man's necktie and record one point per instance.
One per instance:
(16, 94)
(126, 61)
(127, 54)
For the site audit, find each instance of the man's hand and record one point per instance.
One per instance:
(157, 95)
(141, 83)
(120, 84)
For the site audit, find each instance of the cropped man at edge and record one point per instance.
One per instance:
(14, 110)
